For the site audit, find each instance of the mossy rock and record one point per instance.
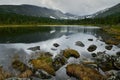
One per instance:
(111, 42)
(43, 62)
(4, 75)
(28, 73)
(58, 62)
(106, 66)
(20, 66)
(83, 73)
(71, 53)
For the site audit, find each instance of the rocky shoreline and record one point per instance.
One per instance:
(44, 66)
(99, 61)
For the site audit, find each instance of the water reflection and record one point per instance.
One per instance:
(44, 33)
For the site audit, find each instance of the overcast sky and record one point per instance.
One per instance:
(79, 7)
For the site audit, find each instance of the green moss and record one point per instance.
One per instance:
(70, 53)
(4, 75)
(18, 65)
(43, 62)
(83, 73)
(114, 32)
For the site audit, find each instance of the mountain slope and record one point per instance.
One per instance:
(31, 10)
(115, 10)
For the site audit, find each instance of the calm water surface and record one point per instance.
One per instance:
(19, 35)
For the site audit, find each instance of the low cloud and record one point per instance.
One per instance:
(79, 7)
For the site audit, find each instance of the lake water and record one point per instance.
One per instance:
(45, 37)
(43, 33)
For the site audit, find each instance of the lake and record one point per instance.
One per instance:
(16, 42)
(37, 34)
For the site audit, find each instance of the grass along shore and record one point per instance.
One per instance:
(114, 32)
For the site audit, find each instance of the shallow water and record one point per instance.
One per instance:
(65, 36)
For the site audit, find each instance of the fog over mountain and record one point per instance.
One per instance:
(78, 7)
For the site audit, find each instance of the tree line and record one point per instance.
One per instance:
(13, 19)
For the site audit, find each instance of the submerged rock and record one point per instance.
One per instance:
(92, 48)
(94, 55)
(34, 48)
(58, 62)
(83, 73)
(54, 49)
(56, 45)
(70, 53)
(79, 43)
(90, 39)
(118, 53)
(43, 62)
(108, 47)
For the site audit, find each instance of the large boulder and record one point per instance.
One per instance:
(83, 72)
(70, 53)
(44, 62)
(79, 43)
(34, 48)
(92, 48)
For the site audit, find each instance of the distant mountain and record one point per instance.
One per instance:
(115, 10)
(31, 10)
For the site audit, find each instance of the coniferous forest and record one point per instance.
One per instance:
(17, 19)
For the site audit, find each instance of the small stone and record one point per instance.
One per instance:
(118, 53)
(53, 49)
(108, 47)
(79, 43)
(34, 48)
(94, 55)
(92, 48)
(90, 39)
(56, 45)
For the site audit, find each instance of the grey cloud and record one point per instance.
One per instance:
(79, 7)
